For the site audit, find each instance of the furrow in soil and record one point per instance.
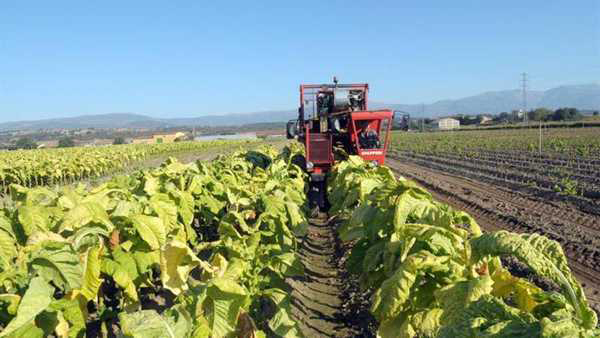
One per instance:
(316, 302)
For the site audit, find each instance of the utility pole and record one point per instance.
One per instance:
(422, 116)
(524, 93)
(540, 143)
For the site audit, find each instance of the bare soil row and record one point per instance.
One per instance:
(326, 301)
(585, 211)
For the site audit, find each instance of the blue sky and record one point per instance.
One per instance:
(191, 58)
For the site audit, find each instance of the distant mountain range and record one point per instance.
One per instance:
(579, 96)
(584, 97)
(130, 120)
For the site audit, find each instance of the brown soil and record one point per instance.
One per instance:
(496, 207)
(317, 305)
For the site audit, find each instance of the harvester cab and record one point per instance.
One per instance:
(334, 116)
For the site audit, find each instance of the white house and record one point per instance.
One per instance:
(448, 123)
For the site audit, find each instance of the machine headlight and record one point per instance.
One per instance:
(375, 163)
(309, 165)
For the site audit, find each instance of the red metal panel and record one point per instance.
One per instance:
(375, 119)
(371, 115)
(319, 148)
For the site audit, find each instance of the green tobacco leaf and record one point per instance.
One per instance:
(545, 257)
(126, 209)
(88, 236)
(91, 274)
(355, 261)
(220, 320)
(421, 324)
(298, 221)
(210, 203)
(391, 328)
(121, 276)
(69, 199)
(165, 208)
(367, 185)
(36, 196)
(72, 315)
(354, 228)
(145, 260)
(395, 291)
(186, 207)
(33, 217)
(145, 324)
(565, 328)
(57, 262)
(458, 296)
(461, 217)
(176, 262)
(225, 288)
(36, 299)
(28, 331)
(44, 237)
(489, 317)
(227, 297)
(85, 213)
(236, 268)
(282, 322)
(520, 290)
(8, 248)
(409, 202)
(180, 319)
(151, 184)
(441, 241)
(13, 302)
(151, 229)
(287, 264)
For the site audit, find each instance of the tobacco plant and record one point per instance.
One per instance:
(435, 274)
(183, 250)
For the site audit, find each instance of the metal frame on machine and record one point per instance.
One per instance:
(317, 161)
(364, 86)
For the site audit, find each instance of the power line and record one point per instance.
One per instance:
(524, 93)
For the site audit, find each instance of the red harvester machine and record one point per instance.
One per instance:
(337, 116)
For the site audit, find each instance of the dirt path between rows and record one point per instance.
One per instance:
(495, 208)
(316, 301)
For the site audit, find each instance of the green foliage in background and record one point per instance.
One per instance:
(59, 166)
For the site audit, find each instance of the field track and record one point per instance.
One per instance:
(495, 207)
(316, 301)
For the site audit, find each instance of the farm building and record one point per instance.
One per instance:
(485, 120)
(48, 144)
(97, 142)
(160, 138)
(447, 123)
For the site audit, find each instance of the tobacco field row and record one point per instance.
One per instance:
(65, 165)
(196, 250)
(430, 271)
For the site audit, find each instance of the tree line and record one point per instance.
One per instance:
(538, 114)
(64, 142)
